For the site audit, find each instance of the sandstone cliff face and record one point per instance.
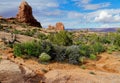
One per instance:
(59, 26)
(25, 15)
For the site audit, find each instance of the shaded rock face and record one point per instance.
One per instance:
(59, 26)
(25, 15)
(13, 73)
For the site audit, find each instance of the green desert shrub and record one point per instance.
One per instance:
(18, 49)
(41, 36)
(48, 48)
(117, 39)
(29, 32)
(104, 40)
(92, 57)
(60, 53)
(73, 54)
(81, 59)
(17, 31)
(29, 48)
(112, 48)
(61, 38)
(97, 48)
(44, 57)
(85, 50)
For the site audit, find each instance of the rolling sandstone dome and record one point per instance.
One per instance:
(25, 15)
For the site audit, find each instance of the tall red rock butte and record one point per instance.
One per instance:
(25, 15)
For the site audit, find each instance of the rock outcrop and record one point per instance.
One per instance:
(59, 26)
(81, 76)
(1, 17)
(13, 73)
(25, 15)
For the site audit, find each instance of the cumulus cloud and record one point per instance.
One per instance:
(105, 17)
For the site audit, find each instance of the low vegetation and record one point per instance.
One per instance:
(66, 47)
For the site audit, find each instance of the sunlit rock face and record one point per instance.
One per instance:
(25, 15)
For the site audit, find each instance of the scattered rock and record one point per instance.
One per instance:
(25, 15)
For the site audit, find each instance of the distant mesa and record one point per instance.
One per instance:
(25, 15)
(59, 26)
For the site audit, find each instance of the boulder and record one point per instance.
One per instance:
(25, 15)
(81, 76)
(10, 72)
(13, 73)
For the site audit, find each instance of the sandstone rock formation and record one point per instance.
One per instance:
(1, 17)
(13, 73)
(50, 27)
(25, 15)
(81, 76)
(59, 26)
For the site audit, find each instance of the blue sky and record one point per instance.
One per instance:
(73, 13)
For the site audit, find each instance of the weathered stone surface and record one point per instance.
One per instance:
(25, 15)
(81, 76)
(10, 72)
(13, 73)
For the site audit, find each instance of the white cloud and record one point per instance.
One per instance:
(87, 5)
(81, 1)
(85, 1)
(95, 6)
(106, 17)
(75, 15)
